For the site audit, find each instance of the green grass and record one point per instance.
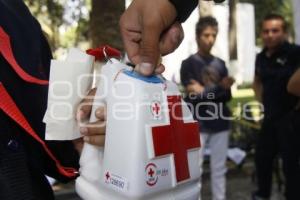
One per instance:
(240, 97)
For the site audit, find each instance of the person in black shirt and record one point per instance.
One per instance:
(24, 161)
(205, 78)
(274, 67)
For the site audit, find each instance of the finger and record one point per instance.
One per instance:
(159, 69)
(98, 140)
(131, 47)
(85, 106)
(95, 128)
(78, 144)
(101, 113)
(131, 35)
(149, 46)
(171, 39)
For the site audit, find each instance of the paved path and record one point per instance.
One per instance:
(239, 185)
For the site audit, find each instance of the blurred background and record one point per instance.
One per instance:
(91, 23)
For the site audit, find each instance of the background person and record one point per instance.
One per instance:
(274, 67)
(205, 78)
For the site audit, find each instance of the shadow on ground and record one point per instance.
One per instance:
(240, 185)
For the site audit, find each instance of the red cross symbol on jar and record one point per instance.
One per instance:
(156, 109)
(107, 175)
(176, 138)
(152, 177)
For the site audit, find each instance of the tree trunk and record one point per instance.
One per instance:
(233, 55)
(104, 23)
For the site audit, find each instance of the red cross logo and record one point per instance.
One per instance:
(156, 109)
(107, 175)
(152, 177)
(176, 138)
(151, 172)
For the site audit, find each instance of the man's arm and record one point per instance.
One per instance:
(184, 8)
(219, 93)
(257, 87)
(186, 73)
(257, 84)
(293, 86)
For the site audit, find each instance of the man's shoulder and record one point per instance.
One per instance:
(295, 49)
(199, 61)
(192, 59)
(260, 55)
(219, 60)
(295, 46)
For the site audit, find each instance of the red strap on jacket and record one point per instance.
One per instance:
(7, 53)
(10, 108)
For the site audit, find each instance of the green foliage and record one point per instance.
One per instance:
(69, 23)
(51, 15)
(49, 12)
(264, 7)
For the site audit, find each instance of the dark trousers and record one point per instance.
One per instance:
(278, 137)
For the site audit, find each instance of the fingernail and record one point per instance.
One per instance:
(86, 139)
(83, 130)
(98, 113)
(146, 69)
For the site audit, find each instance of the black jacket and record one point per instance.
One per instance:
(274, 73)
(209, 107)
(184, 8)
(23, 161)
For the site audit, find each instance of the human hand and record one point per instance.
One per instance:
(93, 133)
(195, 87)
(149, 30)
(227, 82)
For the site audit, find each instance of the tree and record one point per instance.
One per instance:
(101, 26)
(233, 55)
(104, 22)
(50, 15)
(262, 8)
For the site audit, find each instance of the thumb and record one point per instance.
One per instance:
(149, 48)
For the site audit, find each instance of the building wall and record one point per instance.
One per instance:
(296, 6)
